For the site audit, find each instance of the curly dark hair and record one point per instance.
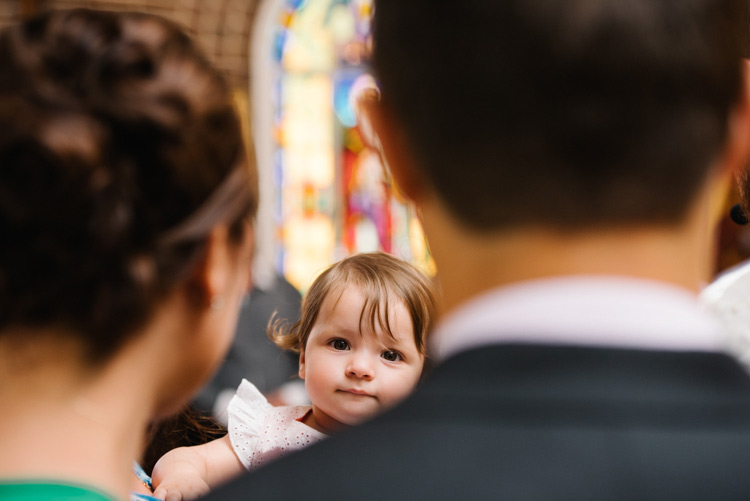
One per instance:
(114, 130)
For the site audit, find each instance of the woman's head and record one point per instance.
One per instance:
(120, 151)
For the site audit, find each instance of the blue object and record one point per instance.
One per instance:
(279, 41)
(342, 104)
(142, 476)
(296, 4)
(134, 496)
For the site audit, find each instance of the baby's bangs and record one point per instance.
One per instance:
(375, 311)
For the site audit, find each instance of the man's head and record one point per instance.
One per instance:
(561, 113)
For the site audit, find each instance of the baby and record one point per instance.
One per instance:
(361, 344)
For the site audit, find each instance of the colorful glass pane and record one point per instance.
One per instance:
(335, 198)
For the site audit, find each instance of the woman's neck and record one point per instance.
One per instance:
(62, 424)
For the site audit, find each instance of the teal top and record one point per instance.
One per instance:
(48, 490)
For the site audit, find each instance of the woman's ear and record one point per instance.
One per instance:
(388, 137)
(213, 271)
(302, 364)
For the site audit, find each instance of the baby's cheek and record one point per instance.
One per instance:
(403, 388)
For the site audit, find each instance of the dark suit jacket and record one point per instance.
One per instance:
(525, 422)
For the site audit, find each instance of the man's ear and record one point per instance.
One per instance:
(302, 364)
(390, 141)
(737, 151)
(735, 157)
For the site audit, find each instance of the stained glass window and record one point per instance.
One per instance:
(334, 197)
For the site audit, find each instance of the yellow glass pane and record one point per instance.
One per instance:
(309, 242)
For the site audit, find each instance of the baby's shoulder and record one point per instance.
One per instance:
(260, 432)
(247, 417)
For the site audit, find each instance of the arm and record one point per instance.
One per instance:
(189, 472)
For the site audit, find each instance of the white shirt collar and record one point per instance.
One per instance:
(604, 311)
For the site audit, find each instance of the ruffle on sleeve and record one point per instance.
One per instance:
(245, 412)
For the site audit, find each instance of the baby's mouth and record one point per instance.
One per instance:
(356, 391)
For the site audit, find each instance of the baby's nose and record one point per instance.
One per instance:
(360, 366)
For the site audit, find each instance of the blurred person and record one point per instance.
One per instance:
(360, 339)
(565, 157)
(126, 211)
(253, 356)
(728, 295)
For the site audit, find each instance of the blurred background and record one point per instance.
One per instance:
(296, 66)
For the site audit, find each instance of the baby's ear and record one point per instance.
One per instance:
(302, 364)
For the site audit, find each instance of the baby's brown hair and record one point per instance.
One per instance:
(381, 278)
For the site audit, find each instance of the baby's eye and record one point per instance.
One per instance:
(391, 356)
(339, 344)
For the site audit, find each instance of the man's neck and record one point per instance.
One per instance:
(469, 264)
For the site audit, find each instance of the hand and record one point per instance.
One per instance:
(181, 488)
(188, 472)
(179, 475)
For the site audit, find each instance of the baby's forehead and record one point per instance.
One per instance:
(377, 297)
(377, 310)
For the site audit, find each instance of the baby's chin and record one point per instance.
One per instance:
(352, 416)
(357, 419)
(353, 419)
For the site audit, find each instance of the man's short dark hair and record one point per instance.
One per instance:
(567, 113)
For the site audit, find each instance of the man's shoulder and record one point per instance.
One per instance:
(520, 422)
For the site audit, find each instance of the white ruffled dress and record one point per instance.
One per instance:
(260, 432)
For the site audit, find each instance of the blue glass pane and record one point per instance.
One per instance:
(279, 40)
(342, 104)
(295, 4)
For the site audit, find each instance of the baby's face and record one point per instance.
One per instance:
(351, 375)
